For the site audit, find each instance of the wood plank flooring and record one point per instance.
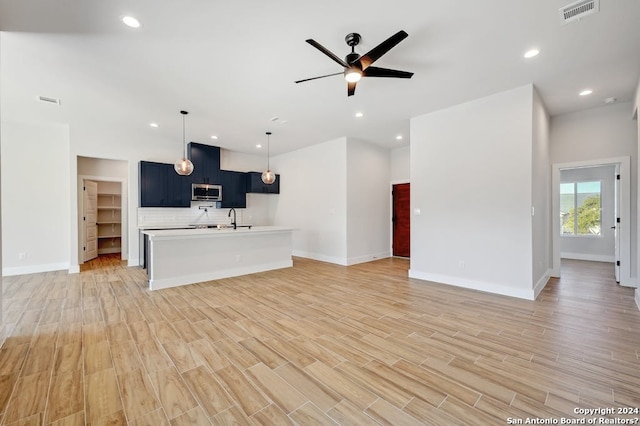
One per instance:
(313, 344)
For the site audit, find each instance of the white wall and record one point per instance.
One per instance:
(589, 247)
(471, 173)
(368, 201)
(636, 106)
(2, 331)
(337, 196)
(313, 200)
(400, 164)
(601, 133)
(540, 189)
(35, 198)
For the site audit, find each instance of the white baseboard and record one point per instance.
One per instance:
(340, 260)
(590, 257)
(34, 269)
(320, 257)
(368, 258)
(638, 298)
(523, 293)
(542, 282)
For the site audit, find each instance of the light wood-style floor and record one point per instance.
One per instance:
(313, 344)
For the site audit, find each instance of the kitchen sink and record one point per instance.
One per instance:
(219, 226)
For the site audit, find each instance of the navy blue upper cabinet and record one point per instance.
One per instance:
(234, 189)
(206, 163)
(256, 185)
(161, 186)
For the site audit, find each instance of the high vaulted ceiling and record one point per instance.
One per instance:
(233, 64)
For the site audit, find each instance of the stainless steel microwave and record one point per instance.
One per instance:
(206, 192)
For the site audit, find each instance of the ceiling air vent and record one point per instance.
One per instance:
(578, 10)
(49, 100)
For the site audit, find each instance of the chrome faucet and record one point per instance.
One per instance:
(235, 225)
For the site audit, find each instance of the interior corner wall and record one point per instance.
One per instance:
(35, 198)
(471, 171)
(542, 261)
(601, 133)
(368, 201)
(313, 200)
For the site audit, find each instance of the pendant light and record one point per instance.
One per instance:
(268, 177)
(183, 167)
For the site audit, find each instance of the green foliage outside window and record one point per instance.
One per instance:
(588, 216)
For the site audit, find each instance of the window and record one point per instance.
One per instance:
(580, 208)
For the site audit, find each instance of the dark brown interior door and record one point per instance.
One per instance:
(401, 220)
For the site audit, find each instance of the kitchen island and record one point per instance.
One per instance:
(186, 256)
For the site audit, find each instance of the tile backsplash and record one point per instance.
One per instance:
(149, 216)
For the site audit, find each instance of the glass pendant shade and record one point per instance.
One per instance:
(183, 167)
(268, 177)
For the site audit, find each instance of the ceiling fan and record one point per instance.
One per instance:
(356, 66)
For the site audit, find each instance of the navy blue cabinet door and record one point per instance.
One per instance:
(206, 163)
(161, 186)
(255, 184)
(234, 189)
(178, 189)
(153, 184)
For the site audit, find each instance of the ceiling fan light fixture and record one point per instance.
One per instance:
(183, 167)
(353, 74)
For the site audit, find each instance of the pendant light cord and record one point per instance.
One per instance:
(268, 149)
(184, 138)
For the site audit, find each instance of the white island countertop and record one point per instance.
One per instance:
(212, 232)
(186, 256)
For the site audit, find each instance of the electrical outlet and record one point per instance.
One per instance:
(22, 255)
(238, 258)
(461, 264)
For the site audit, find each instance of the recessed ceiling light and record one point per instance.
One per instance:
(130, 21)
(153, 124)
(214, 137)
(359, 115)
(531, 53)
(258, 146)
(399, 137)
(586, 92)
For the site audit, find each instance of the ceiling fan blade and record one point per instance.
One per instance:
(385, 72)
(351, 88)
(321, 76)
(374, 54)
(327, 52)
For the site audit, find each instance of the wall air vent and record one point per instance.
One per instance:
(578, 10)
(49, 100)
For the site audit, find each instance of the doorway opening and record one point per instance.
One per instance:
(102, 208)
(591, 214)
(401, 220)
